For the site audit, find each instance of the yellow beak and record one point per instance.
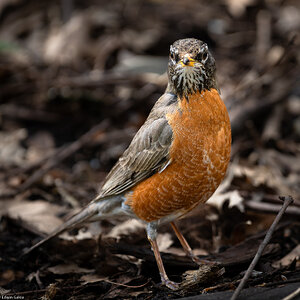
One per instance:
(187, 61)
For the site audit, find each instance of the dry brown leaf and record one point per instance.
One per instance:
(3, 291)
(220, 195)
(125, 228)
(289, 258)
(65, 45)
(81, 235)
(234, 198)
(40, 216)
(11, 151)
(91, 278)
(39, 145)
(164, 241)
(264, 175)
(68, 268)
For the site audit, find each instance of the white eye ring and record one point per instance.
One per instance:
(204, 56)
(173, 55)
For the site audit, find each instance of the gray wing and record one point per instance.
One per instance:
(148, 152)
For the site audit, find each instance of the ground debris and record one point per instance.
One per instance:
(78, 80)
(204, 275)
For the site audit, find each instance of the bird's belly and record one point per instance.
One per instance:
(199, 156)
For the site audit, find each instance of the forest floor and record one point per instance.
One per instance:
(77, 80)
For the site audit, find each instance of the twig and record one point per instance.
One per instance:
(263, 35)
(128, 286)
(66, 288)
(63, 154)
(122, 135)
(271, 208)
(118, 134)
(292, 295)
(20, 112)
(277, 283)
(287, 201)
(35, 165)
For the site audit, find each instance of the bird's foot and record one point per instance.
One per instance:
(170, 284)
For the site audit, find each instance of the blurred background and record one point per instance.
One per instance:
(77, 80)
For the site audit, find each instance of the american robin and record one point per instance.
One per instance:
(176, 160)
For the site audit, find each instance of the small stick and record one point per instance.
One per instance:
(270, 207)
(65, 152)
(292, 295)
(287, 201)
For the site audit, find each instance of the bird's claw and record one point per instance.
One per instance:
(170, 284)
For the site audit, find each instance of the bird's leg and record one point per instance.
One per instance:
(187, 249)
(151, 234)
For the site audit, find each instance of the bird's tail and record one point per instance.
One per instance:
(83, 216)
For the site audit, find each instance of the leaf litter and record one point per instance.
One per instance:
(103, 63)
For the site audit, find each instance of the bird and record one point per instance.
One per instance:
(176, 160)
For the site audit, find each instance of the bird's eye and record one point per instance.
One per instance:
(202, 56)
(173, 56)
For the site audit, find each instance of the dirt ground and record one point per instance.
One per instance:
(77, 80)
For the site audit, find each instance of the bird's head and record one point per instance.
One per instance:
(191, 67)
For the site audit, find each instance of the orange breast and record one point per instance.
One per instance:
(199, 154)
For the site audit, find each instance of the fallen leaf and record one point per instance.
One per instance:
(12, 153)
(234, 198)
(68, 268)
(125, 228)
(3, 292)
(220, 195)
(92, 278)
(164, 241)
(288, 259)
(40, 216)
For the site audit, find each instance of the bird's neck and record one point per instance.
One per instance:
(187, 93)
